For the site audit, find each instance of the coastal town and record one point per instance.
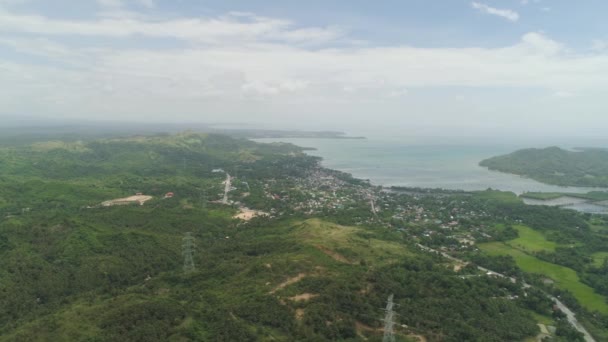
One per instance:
(443, 222)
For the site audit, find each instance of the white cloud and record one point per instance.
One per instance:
(232, 61)
(505, 13)
(110, 3)
(525, 2)
(599, 45)
(147, 3)
(563, 94)
(12, 2)
(37, 46)
(209, 30)
(114, 4)
(540, 44)
(398, 93)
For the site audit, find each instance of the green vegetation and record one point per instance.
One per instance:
(349, 244)
(552, 165)
(498, 196)
(565, 278)
(591, 196)
(599, 258)
(543, 196)
(73, 270)
(531, 240)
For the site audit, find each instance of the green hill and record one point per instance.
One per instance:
(553, 165)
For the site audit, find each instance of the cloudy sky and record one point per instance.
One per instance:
(424, 66)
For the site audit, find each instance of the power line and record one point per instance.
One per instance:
(203, 198)
(389, 333)
(188, 252)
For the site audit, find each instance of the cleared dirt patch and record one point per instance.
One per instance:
(299, 314)
(360, 327)
(141, 199)
(459, 265)
(289, 281)
(247, 214)
(303, 297)
(366, 290)
(336, 256)
(418, 338)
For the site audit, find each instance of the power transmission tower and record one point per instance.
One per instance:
(188, 252)
(389, 333)
(204, 199)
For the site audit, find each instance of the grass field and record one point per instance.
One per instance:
(531, 240)
(346, 245)
(565, 278)
(592, 196)
(598, 258)
(542, 319)
(542, 195)
(497, 195)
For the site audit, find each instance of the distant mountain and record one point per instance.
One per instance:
(553, 165)
(19, 129)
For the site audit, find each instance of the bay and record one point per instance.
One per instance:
(391, 162)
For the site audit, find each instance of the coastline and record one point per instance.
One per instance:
(401, 164)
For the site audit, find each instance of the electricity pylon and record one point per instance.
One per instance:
(188, 252)
(203, 196)
(389, 333)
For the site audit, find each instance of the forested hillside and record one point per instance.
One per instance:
(553, 165)
(72, 269)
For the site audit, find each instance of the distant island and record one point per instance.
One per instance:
(267, 133)
(17, 132)
(587, 167)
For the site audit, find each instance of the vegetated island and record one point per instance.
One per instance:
(587, 167)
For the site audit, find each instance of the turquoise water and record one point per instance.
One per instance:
(399, 163)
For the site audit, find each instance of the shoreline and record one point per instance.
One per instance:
(488, 178)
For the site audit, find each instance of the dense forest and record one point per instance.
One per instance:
(553, 165)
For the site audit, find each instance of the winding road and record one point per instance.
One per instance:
(569, 313)
(227, 185)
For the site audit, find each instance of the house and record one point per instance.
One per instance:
(169, 195)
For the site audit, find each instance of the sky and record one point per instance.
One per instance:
(427, 67)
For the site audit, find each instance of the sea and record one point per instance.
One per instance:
(391, 162)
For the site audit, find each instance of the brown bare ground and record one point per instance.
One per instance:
(299, 314)
(336, 256)
(247, 214)
(366, 290)
(141, 199)
(458, 266)
(288, 282)
(303, 297)
(359, 327)
(419, 338)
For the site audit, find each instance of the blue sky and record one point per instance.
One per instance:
(471, 67)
